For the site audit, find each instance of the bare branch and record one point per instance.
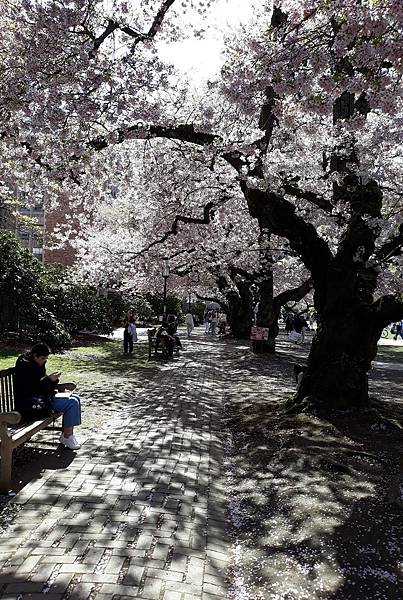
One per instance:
(205, 220)
(110, 28)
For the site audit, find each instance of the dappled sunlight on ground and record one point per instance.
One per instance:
(308, 498)
(181, 454)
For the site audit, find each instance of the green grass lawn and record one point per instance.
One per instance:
(98, 360)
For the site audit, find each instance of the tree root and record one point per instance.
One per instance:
(306, 405)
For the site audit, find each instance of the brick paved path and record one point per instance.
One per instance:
(140, 511)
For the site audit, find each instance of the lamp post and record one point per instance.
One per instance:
(165, 274)
(189, 299)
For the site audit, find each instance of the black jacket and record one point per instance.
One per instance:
(33, 390)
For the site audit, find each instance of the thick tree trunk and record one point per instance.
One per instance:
(267, 316)
(338, 365)
(240, 310)
(270, 307)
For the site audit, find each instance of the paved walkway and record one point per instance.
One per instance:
(140, 511)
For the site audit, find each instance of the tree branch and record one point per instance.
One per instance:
(388, 308)
(110, 28)
(210, 299)
(159, 17)
(392, 247)
(278, 214)
(205, 220)
(311, 197)
(184, 133)
(137, 36)
(295, 294)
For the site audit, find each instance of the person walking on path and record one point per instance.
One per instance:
(304, 328)
(207, 321)
(213, 323)
(399, 330)
(36, 393)
(222, 323)
(133, 330)
(189, 323)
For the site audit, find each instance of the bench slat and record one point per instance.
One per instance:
(25, 432)
(6, 390)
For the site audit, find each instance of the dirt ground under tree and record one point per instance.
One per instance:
(316, 505)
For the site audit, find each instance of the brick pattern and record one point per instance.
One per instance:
(140, 511)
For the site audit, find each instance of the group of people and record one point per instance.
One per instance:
(212, 319)
(296, 327)
(214, 322)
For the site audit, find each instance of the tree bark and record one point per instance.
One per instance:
(239, 300)
(240, 310)
(350, 325)
(339, 361)
(267, 316)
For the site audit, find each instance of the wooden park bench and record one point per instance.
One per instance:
(11, 433)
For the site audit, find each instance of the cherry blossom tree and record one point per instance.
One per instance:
(308, 121)
(322, 81)
(70, 71)
(329, 74)
(175, 206)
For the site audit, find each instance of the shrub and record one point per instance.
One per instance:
(78, 306)
(156, 302)
(49, 330)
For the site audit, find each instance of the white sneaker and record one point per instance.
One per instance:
(70, 442)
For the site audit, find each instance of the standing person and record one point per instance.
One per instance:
(298, 327)
(222, 323)
(132, 332)
(189, 323)
(304, 328)
(289, 323)
(213, 323)
(36, 393)
(312, 320)
(127, 338)
(399, 330)
(207, 321)
(298, 324)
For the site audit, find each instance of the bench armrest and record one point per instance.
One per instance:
(11, 418)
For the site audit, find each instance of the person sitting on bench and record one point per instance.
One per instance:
(172, 331)
(36, 394)
(164, 339)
